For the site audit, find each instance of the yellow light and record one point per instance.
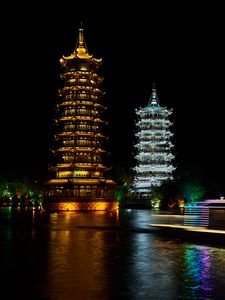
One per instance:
(92, 205)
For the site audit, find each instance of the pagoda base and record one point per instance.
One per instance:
(97, 204)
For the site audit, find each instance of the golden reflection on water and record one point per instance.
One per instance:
(85, 262)
(85, 256)
(76, 261)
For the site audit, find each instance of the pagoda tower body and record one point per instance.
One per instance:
(154, 156)
(78, 182)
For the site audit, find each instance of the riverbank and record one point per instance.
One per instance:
(215, 237)
(197, 235)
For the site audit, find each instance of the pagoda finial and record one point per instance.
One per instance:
(81, 36)
(80, 51)
(81, 48)
(153, 98)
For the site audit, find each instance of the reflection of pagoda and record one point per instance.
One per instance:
(79, 182)
(154, 156)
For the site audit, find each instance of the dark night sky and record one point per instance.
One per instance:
(180, 48)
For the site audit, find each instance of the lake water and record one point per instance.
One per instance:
(103, 255)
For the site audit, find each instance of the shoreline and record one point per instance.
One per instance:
(210, 236)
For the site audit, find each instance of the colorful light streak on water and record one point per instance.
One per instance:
(199, 279)
(96, 255)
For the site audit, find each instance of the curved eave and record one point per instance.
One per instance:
(80, 55)
(66, 166)
(73, 134)
(78, 73)
(82, 118)
(154, 110)
(78, 87)
(81, 149)
(78, 102)
(80, 181)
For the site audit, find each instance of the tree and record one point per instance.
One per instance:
(193, 191)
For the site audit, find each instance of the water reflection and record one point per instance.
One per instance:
(152, 268)
(95, 255)
(78, 259)
(198, 272)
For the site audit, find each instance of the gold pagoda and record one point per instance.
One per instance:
(79, 182)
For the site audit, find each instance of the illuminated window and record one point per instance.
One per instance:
(83, 67)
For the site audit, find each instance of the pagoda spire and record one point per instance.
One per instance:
(81, 47)
(153, 100)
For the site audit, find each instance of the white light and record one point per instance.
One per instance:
(154, 156)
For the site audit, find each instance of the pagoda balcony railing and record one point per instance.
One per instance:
(153, 161)
(79, 144)
(78, 89)
(86, 128)
(82, 91)
(158, 135)
(86, 82)
(78, 73)
(81, 118)
(82, 113)
(82, 147)
(75, 112)
(151, 111)
(149, 150)
(81, 131)
(155, 132)
(154, 110)
(153, 136)
(86, 78)
(76, 120)
(77, 127)
(144, 143)
(90, 144)
(153, 116)
(146, 175)
(84, 125)
(155, 155)
(158, 168)
(153, 127)
(96, 134)
(79, 96)
(73, 149)
(73, 105)
(145, 166)
(154, 139)
(152, 177)
(83, 162)
(76, 100)
(85, 143)
(154, 121)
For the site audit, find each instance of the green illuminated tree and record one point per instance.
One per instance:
(193, 191)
